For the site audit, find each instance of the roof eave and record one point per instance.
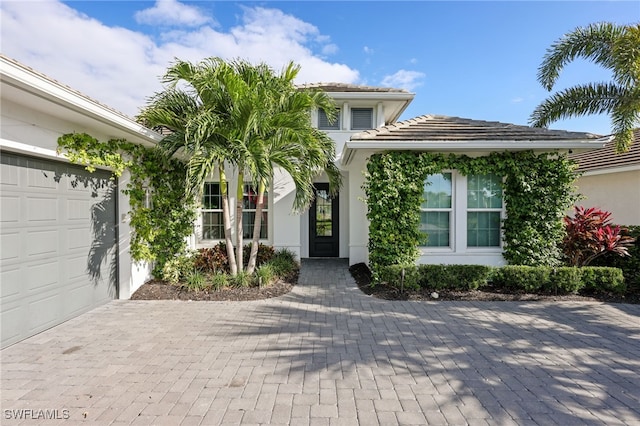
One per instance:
(59, 95)
(470, 146)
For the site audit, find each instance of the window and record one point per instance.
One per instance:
(484, 209)
(212, 221)
(249, 204)
(361, 118)
(436, 210)
(323, 121)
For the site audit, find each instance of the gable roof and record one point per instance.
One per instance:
(439, 133)
(25, 86)
(607, 159)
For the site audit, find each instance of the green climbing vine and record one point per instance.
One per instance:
(161, 215)
(538, 190)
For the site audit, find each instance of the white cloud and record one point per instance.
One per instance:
(121, 68)
(517, 100)
(367, 50)
(330, 49)
(403, 79)
(172, 13)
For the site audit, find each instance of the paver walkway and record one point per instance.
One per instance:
(326, 354)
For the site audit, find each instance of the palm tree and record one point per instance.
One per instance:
(251, 119)
(192, 114)
(615, 47)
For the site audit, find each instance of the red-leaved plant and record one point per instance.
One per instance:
(590, 234)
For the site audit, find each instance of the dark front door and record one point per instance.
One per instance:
(323, 224)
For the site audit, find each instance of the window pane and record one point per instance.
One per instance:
(248, 220)
(212, 226)
(437, 191)
(323, 206)
(437, 226)
(484, 192)
(211, 199)
(323, 121)
(361, 118)
(483, 229)
(250, 198)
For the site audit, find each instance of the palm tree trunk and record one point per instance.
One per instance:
(224, 193)
(257, 225)
(239, 200)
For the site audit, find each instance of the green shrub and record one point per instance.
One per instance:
(177, 268)
(392, 275)
(285, 254)
(265, 274)
(530, 279)
(603, 279)
(195, 281)
(630, 265)
(283, 262)
(454, 277)
(242, 279)
(219, 280)
(565, 280)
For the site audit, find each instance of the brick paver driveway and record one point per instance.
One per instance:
(327, 354)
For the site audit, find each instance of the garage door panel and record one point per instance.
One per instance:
(42, 209)
(10, 246)
(10, 209)
(42, 242)
(79, 210)
(44, 312)
(41, 177)
(12, 325)
(56, 263)
(78, 238)
(42, 275)
(10, 279)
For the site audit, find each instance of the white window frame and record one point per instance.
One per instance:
(499, 210)
(452, 221)
(264, 229)
(204, 210)
(458, 221)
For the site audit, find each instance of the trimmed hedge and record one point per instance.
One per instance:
(393, 276)
(454, 277)
(512, 278)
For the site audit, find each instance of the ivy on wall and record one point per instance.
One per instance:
(538, 190)
(161, 215)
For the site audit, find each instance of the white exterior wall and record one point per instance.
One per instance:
(618, 193)
(35, 133)
(359, 230)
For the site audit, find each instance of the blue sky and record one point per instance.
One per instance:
(468, 59)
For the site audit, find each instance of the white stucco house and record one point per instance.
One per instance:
(367, 124)
(52, 270)
(611, 181)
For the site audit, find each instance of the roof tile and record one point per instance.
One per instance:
(445, 128)
(606, 157)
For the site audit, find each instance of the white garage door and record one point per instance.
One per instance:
(58, 254)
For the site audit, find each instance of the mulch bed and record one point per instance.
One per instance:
(161, 290)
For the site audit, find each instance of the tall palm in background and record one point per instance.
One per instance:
(615, 47)
(248, 118)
